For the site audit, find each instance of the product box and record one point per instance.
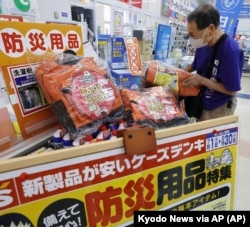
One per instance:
(146, 57)
(116, 53)
(103, 46)
(162, 42)
(124, 79)
(145, 47)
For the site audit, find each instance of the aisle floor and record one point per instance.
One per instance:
(242, 201)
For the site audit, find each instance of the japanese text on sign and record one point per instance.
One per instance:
(15, 44)
(36, 39)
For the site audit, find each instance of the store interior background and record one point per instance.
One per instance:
(101, 21)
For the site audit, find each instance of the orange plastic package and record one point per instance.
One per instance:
(134, 55)
(80, 92)
(155, 106)
(159, 73)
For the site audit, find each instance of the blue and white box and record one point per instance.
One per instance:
(124, 79)
(116, 53)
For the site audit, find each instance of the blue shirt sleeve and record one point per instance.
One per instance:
(231, 60)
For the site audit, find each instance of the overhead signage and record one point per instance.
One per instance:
(229, 13)
(245, 11)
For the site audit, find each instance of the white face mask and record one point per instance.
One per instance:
(198, 43)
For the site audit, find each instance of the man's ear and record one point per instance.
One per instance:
(212, 27)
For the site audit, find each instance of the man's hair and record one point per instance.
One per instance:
(69, 51)
(204, 15)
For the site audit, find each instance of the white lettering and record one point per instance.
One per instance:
(175, 218)
(147, 220)
(5, 199)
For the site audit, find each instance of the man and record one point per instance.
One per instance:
(222, 85)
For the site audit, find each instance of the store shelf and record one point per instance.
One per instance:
(180, 38)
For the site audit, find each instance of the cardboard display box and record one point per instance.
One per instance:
(124, 79)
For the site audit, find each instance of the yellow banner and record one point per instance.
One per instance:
(201, 182)
(17, 40)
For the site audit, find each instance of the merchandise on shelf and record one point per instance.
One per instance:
(81, 93)
(87, 101)
(124, 79)
(157, 107)
(116, 53)
(125, 53)
(67, 140)
(158, 73)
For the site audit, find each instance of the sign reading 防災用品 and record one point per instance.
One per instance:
(17, 40)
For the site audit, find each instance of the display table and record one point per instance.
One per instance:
(193, 168)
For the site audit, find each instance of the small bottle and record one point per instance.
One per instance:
(112, 126)
(122, 124)
(104, 134)
(88, 139)
(57, 137)
(67, 140)
(79, 141)
(113, 135)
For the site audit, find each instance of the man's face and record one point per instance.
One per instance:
(203, 36)
(194, 32)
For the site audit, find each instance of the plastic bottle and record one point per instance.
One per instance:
(104, 134)
(88, 139)
(122, 124)
(67, 140)
(113, 135)
(113, 126)
(79, 141)
(57, 137)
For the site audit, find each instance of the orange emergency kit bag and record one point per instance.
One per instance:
(81, 93)
(162, 74)
(155, 106)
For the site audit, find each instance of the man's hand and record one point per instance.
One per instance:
(193, 81)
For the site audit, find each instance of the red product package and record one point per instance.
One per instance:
(156, 106)
(81, 93)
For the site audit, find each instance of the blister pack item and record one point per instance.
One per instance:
(155, 106)
(159, 73)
